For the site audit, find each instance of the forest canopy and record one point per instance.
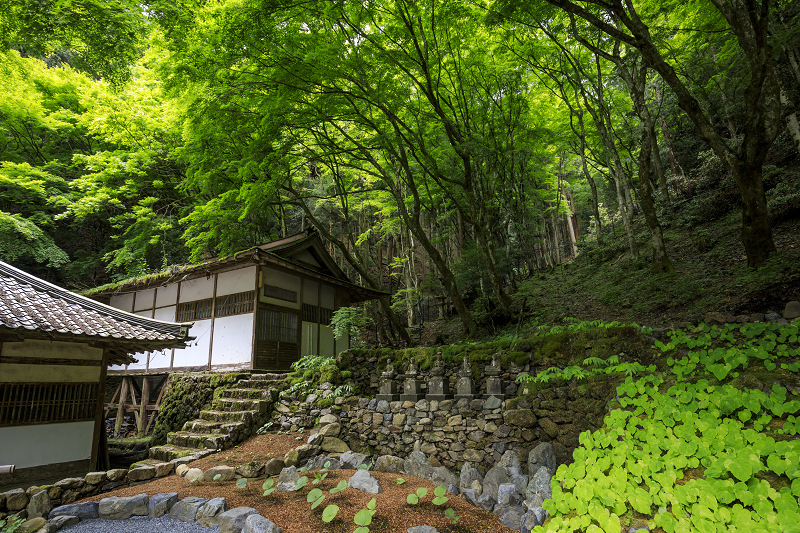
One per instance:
(446, 150)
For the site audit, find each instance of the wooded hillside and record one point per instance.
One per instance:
(447, 150)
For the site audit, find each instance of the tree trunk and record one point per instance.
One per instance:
(661, 262)
(756, 232)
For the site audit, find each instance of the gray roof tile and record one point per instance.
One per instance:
(28, 303)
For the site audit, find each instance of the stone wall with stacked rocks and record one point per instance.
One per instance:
(453, 432)
(38, 500)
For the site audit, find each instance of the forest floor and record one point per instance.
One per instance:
(711, 275)
(293, 514)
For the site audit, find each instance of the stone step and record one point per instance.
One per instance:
(234, 404)
(163, 454)
(269, 376)
(244, 394)
(149, 462)
(199, 441)
(256, 384)
(214, 427)
(203, 426)
(247, 417)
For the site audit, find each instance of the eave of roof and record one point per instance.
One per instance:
(265, 253)
(33, 308)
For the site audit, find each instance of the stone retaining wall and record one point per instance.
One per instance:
(37, 500)
(453, 432)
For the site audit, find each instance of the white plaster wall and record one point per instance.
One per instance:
(310, 292)
(328, 297)
(196, 354)
(167, 295)
(327, 344)
(44, 444)
(197, 289)
(122, 301)
(144, 300)
(167, 314)
(241, 280)
(233, 340)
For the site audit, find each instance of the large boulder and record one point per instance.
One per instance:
(519, 417)
(365, 482)
(60, 522)
(331, 430)
(288, 479)
(233, 521)
(208, 514)
(511, 516)
(225, 473)
(390, 464)
(540, 485)
(274, 467)
(417, 465)
(16, 500)
(334, 445)
(495, 476)
(143, 473)
(39, 505)
(542, 455)
(123, 507)
(84, 511)
(469, 474)
(442, 476)
(300, 454)
(352, 460)
(792, 310)
(251, 469)
(186, 509)
(255, 523)
(161, 503)
(193, 474)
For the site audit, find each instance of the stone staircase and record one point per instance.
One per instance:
(234, 416)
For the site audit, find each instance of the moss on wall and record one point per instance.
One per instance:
(186, 396)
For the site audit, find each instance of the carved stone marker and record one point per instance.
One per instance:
(438, 384)
(494, 385)
(388, 390)
(464, 385)
(411, 388)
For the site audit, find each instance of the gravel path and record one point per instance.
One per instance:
(138, 524)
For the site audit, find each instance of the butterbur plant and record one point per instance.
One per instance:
(439, 493)
(302, 482)
(329, 513)
(242, 483)
(451, 514)
(415, 497)
(315, 497)
(363, 518)
(340, 487)
(268, 486)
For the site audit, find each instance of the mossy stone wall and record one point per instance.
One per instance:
(186, 396)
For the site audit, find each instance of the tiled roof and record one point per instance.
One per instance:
(30, 306)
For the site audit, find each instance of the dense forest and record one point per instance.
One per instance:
(446, 150)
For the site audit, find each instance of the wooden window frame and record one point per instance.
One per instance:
(195, 310)
(235, 304)
(25, 404)
(279, 293)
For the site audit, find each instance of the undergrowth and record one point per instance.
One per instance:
(686, 450)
